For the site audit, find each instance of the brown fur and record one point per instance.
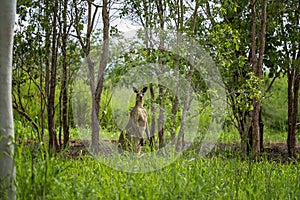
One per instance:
(133, 138)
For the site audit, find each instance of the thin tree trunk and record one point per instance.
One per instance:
(102, 68)
(257, 70)
(64, 88)
(7, 169)
(104, 55)
(42, 105)
(53, 144)
(259, 73)
(261, 130)
(180, 138)
(94, 117)
(240, 117)
(256, 105)
(85, 44)
(187, 100)
(175, 101)
(47, 61)
(161, 116)
(293, 93)
(153, 111)
(175, 106)
(147, 26)
(255, 128)
(60, 121)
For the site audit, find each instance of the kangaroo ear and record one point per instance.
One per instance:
(144, 89)
(135, 90)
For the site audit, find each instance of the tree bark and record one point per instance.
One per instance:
(153, 111)
(293, 93)
(261, 130)
(95, 87)
(102, 68)
(64, 87)
(161, 116)
(260, 125)
(7, 170)
(257, 70)
(47, 64)
(53, 143)
(175, 100)
(187, 99)
(256, 105)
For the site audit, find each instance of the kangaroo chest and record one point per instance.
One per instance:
(139, 116)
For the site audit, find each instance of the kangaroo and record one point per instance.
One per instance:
(137, 125)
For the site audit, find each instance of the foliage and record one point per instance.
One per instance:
(275, 107)
(190, 177)
(223, 27)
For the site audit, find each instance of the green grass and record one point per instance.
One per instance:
(44, 176)
(40, 176)
(232, 135)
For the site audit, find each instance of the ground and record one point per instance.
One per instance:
(274, 151)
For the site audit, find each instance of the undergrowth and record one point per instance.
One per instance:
(44, 176)
(221, 175)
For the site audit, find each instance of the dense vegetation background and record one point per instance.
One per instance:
(255, 46)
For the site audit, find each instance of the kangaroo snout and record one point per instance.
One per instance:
(140, 96)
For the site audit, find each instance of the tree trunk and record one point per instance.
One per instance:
(95, 123)
(53, 143)
(7, 170)
(47, 63)
(257, 70)
(96, 90)
(64, 87)
(100, 80)
(293, 93)
(261, 130)
(175, 106)
(161, 116)
(256, 104)
(180, 138)
(255, 128)
(240, 118)
(175, 100)
(42, 103)
(60, 121)
(245, 130)
(153, 111)
(147, 27)
(188, 98)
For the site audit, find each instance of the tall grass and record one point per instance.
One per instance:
(40, 176)
(231, 134)
(44, 176)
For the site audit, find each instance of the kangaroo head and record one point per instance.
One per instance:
(140, 93)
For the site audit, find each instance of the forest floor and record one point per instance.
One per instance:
(74, 173)
(273, 151)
